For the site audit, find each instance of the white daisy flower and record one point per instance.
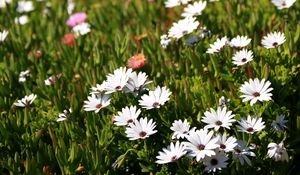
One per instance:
(52, 79)
(279, 124)
(201, 143)
(240, 42)
(251, 125)
(81, 29)
(242, 57)
(136, 83)
(223, 102)
(181, 129)
(26, 101)
(140, 129)
(217, 119)
(164, 41)
(156, 98)
(3, 3)
(22, 20)
(24, 75)
(218, 46)
(98, 89)
(277, 152)
(194, 9)
(241, 152)
(183, 27)
(215, 162)
(174, 3)
(117, 81)
(172, 153)
(126, 116)
(64, 116)
(25, 6)
(3, 35)
(273, 40)
(226, 144)
(96, 102)
(281, 4)
(256, 90)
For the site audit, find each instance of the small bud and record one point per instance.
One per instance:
(137, 61)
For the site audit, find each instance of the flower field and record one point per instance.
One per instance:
(149, 87)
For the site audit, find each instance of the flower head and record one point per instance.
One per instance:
(98, 89)
(24, 75)
(217, 119)
(239, 42)
(81, 29)
(256, 90)
(52, 79)
(226, 144)
(279, 124)
(201, 143)
(217, 46)
(194, 9)
(137, 61)
(172, 153)
(25, 6)
(22, 20)
(116, 82)
(242, 57)
(241, 152)
(180, 129)
(164, 41)
(156, 98)
(251, 125)
(174, 3)
(183, 27)
(3, 35)
(215, 162)
(3, 3)
(282, 4)
(64, 116)
(273, 40)
(277, 152)
(26, 101)
(96, 102)
(69, 39)
(126, 116)
(140, 129)
(76, 18)
(136, 83)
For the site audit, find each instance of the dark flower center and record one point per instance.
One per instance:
(214, 162)
(143, 134)
(238, 150)
(184, 32)
(118, 88)
(250, 129)
(222, 146)
(185, 132)
(275, 44)
(98, 106)
(173, 158)
(244, 59)
(155, 105)
(256, 94)
(129, 121)
(201, 147)
(219, 123)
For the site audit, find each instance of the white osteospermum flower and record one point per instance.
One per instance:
(24, 75)
(183, 27)
(26, 101)
(223, 102)
(25, 6)
(181, 129)
(140, 129)
(117, 81)
(277, 152)
(273, 40)
(3, 3)
(256, 90)
(96, 102)
(81, 29)
(98, 89)
(64, 116)
(126, 116)
(174, 3)
(241, 152)
(52, 79)
(136, 83)
(215, 162)
(172, 153)
(251, 125)
(242, 57)
(201, 143)
(226, 144)
(164, 41)
(22, 20)
(279, 124)
(217, 119)
(3, 35)
(281, 4)
(156, 98)
(194, 9)
(240, 42)
(217, 46)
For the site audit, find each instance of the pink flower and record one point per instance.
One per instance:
(137, 61)
(69, 39)
(76, 19)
